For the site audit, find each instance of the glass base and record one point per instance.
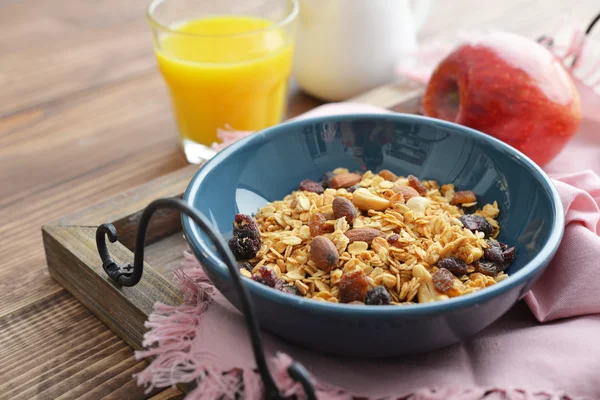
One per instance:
(196, 153)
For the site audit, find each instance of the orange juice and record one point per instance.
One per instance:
(225, 71)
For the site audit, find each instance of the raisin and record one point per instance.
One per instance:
(352, 188)
(487, 267)
(287, 288)
(326, 178)
(476, 223)
(266, 276)
(353, 286)
(243, 248)
(245, 265)
(378, 296)
(317, 224)
(494, 252)
(509, 255)
(311, 186)
(388, 175)
(443, 280)
(246, 239)
(455, 265)
(416, 184)
(496, 258)
(393, 239)
(466, 196)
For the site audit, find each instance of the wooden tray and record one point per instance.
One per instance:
(73, 259)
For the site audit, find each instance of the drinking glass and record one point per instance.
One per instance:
(226, 63)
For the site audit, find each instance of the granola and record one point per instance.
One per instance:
(375, 239)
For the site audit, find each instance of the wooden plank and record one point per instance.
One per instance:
(22, 262)
(125, 209)
(74, 263)
(166, 254)
(58, 350)
(169, 394)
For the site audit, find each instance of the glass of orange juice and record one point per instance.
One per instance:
(226, 63)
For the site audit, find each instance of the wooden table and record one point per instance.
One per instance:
(85, 115)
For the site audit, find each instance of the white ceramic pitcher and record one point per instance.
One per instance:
(345, 47)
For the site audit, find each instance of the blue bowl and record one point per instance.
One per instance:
(270, 164)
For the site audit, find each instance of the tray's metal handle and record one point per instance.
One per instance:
(130, 275)
(549, 42)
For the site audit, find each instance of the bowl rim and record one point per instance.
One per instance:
(208, 259)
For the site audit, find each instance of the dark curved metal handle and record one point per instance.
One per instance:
(549, 42)
(130, 275)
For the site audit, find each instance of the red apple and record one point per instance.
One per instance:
(511, 88)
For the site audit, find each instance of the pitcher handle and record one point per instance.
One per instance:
(420, 9)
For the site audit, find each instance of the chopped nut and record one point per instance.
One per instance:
(406, 191)
(344, 180)
(388, 175)
(343, 208)
(418, 204)
(363, 235)
(324, 253)
(365, 200)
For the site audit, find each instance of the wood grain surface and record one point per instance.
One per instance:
(84, 116)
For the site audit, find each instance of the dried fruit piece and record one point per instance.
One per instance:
(365, 200)
(388, 175)
(353, 286)
(455, 265)
(246, 239)
(406, 191)
(324, 253)
(287, 288)
(494, 252)
(266, 276)
(416, 184)
(476, 223)
(393, 239)
(343, 208)
(377, 296)
(318, 224)
(344, 180)
(352, 188)
(487, 267)
(496, 258)
(326, 178)
(245, 265)
(363, 235)
(466, 196)
(311, 186)
(443, 280)
(509, 255)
